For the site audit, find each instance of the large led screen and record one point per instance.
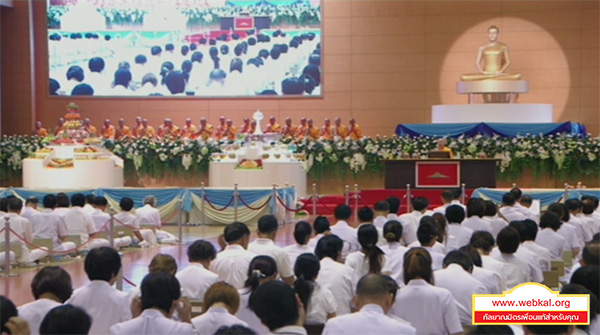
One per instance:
(187, 48)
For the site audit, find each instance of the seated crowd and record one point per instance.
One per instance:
(409, 274)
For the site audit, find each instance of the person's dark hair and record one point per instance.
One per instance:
(526, 199)
(274, 303)
(587, 206)
(102, 263)
(392, 231)
(155, 50)
(169, 47)
(508, 199)
(89, 198)
(530, 230)
(329, 246)
(367, 238)
(519, 227)
(573, 204)
(96, 64)
(75, 72)
(491, 330)
(373, 285)
(382, 206)
(165, 68)
(260, 267)
(82, 89)
(591, 254)
(321, 224)
(566, 217)
(447, 196)
(235, 330)
(62, 200)
(217, 74)
(52, 279)
(78, 199)
(508, 240)
(122, 77)
(455, 214)
(417, 264)
(550, 220)
(426, 232)
(126, 204)
(236, 65)
(594, 305)
(224, 49)
(15, 205)
(595, 201)
(516, 192)
(66, 319)
(197, 57)
(175, 82)
(100, 201)
(186, 66)
(184, 50)
(420, 203)
(149, 78)
(460, 258)
(365, 214)
(302, 232)
(159, 290)
(476, 207)
(201, 250)
(54, 86)
(342, 212)
(49, 201)
(313, 72)
(557, 209)
(589, 277)
(441, 225)
(235, 231)
(4, 204)
(31, 200)
(394, 203)
(306, 270)
(482, 240)
(267, 224)
(473, 253)
(140, 59)
(7, 311)
(490, 208)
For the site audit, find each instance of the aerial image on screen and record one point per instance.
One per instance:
(187, 48)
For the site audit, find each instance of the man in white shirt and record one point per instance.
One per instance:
(126, 218)
(409, 233)
(548, 237)
(50, 287)
(491, 215)
(81, 224)
(484, 242)
(48, 224)
(427, 235)
(265, 245)
(277, 306)
(334, 275)
(30, 208)
(528, 230)
(149, 217)
(89, 204)
(475, 212)
(522, 204)
(419, 205)
(590, 222)
(161, 295)
(449, 197)
(373, 300)
(457, 234)
(366, 216)
(231, 264)
(105, 304)
(344, 231)
(23, 227)
(509, 210)
(195, 279)
(574, 207)
(516, 270)
(382, 210)
(492, 280)
(456, 277)
(62, 204)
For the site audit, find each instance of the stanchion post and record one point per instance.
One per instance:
(6, 250)
(347, 195)
(462, 193)
(355, 202)
(111, 229)
(235, 202)
(274, 199)
(314, 199)
(119, 281)
(203, 208)
(180, 221)
(285, 197)
(408, 200)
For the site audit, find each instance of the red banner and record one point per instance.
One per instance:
(243, 23)
(437, 174)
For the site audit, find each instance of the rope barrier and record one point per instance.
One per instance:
(126, 225)
(255, 208)
(129, 282)
(2, 230)
(291, 209)
(324, 204)
(215, 208)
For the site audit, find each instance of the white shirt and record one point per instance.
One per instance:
(231, 265)
(28, 212)
(488, 262)
(79, 223)
(296, 250)
(48, 224)
(148, 215)
(515, 270)
(542, 254)
(339, 279)
(413, 218)
(127, 218)
(409, 233)
(61, 211)
(105, 304)
(265, 246)
(288, 330)
(360, 263)
(496, 223)
(380, 221)
(321, 304)
(430, 309)
(369, 320)
(535, 271)
(35, 311)
(569, 233)
(245, 314)
(151, 322)
(442, 209)
(89, 209)
(348, 234)
(587, 223)
(100, 220)
(395, 252)
(19, 225)
(581, 233)
(476, 223)
(458, 236)
(493, 281)
(312, 243)
(437, 259)
(195, 281)
(511, 213)
(552, 241)
(462, 286)
(213, 319)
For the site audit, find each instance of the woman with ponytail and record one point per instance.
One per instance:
(302, 233)
(430, 309)
(318, 301)
(262, 269)
(371, 259)
(393, 249)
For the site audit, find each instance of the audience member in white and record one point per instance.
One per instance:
(566, 230)
(30, 208)
(484, 242)
(24, 229)
(262, 269)
(219, 306)
(321, 227)
(374, 300)
(149, 216)
(442, 231)
(427, 235)
(449, 197)
(592, 210)
(528, 230)
(319, 303)
(525, 202)
(516, 270)
(475, 212)
(161, 297)
(89, 203)
(493, 281)
(394, 250)
(430, 309)
(265, 245)
(344, 231)
(548, 237)
(589, 256)
(48, 224)
(574, 207)
(160, 263)
(302, 233)
(238, 330)
(587, 217)
(497, 223)
(382, 210)
(278, 307)
(50, 287)
(409, 233)
(334, 275)
(508, 209)
(456, 277)
(371, 259)
(102, 221)
(195, 279)
(62, 204)
(231, 264)
(125, 217)
(594, 306)
(419, 205)
(535, 270)
(66, 319)
(589, 277)
(105, 304)
(517, 194)
(10, 322)
(365, 216)
(80, 223)
(458, 235)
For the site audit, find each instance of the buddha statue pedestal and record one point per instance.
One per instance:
(493, 91)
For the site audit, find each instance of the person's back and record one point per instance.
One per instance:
(475, 212)
(392, 232)
(458, 235)
(48, 224)
(548, 237)
(77, 220)
(66, 319)
(333, 275)
(195, 279)
(264, 245)
(371, 259)
(220, 304)
(516, 270)
(343, 230)
(302, 233)
(231, 264)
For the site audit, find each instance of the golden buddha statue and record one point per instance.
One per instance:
(493, 59)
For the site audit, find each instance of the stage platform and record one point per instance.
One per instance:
(489, 129)
(501, 113)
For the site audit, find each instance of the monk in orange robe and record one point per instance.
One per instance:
(289, 130)
(168, 130)
(339, 129)
(272, 127)
(138, 127)
(312, 131)
(220, 131)
(326, 131)
(147, 130)
(245, 128)
(108, 130)
(205, 130)
(354, 131)
(230, 130)
(39, 130)
(188, 129)
(123, 131)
